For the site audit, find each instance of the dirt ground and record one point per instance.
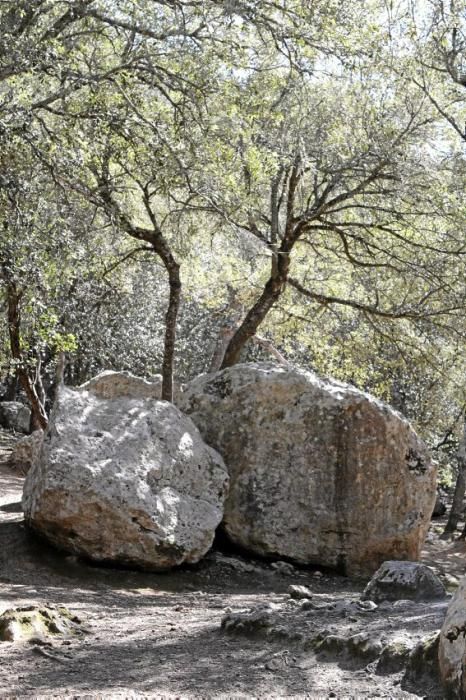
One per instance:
(152, 635)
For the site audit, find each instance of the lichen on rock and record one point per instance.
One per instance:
(32, 622)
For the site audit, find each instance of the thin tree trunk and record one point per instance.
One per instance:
(271, 293)
(280, 264)
(456, 512)
(226, 334)
(161, 247)
(39, 416)
(171, 316)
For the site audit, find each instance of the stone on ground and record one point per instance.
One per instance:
(32, 622)
(15, 416)
(452, 646)
(320, 472)
(404, 580)
(126, 481)
(299, 592)
(26, 452)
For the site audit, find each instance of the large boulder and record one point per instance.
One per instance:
(404, 580)
(15, 416)
(125, 480)
(452, 646)
(114, 385)
(321, 473)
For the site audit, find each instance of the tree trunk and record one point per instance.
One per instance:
(270, 295)
(226, 334)
(161, 247)
(456, 512)
(171, 316)
(39, 416)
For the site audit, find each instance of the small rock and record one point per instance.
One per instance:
(32, 622)
(451, 582)
(234, 563)
(299, 592)
(360, 646)
(341, 607)
(367, 605)
(399, 604)
(364, 646)
(310, 605)
(259, 620)
(317, 574)
(396, 580)
(283, 567)
(393, 658)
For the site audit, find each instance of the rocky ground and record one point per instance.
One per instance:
(226, 627)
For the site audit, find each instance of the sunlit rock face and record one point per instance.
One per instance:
(125, 480)
(320, 472)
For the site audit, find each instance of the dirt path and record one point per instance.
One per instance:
(152, 635)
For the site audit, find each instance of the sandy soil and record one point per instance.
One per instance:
(160, 635)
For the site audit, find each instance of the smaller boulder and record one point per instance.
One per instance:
(31, 622)
(26, 452)
(126, 481)
(116, 385)
(403, 580)
(15, 416)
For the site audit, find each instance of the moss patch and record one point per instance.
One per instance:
(29, 622)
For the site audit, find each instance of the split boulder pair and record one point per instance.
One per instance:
(292, 465)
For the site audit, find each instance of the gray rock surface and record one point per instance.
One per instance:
(15, 416)
(452, 646)
(26, 452)
(338, 631)
(125, 480)
(321, 473)
(113, 385)
(404, 580)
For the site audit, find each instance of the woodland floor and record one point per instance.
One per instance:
(155, 635)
